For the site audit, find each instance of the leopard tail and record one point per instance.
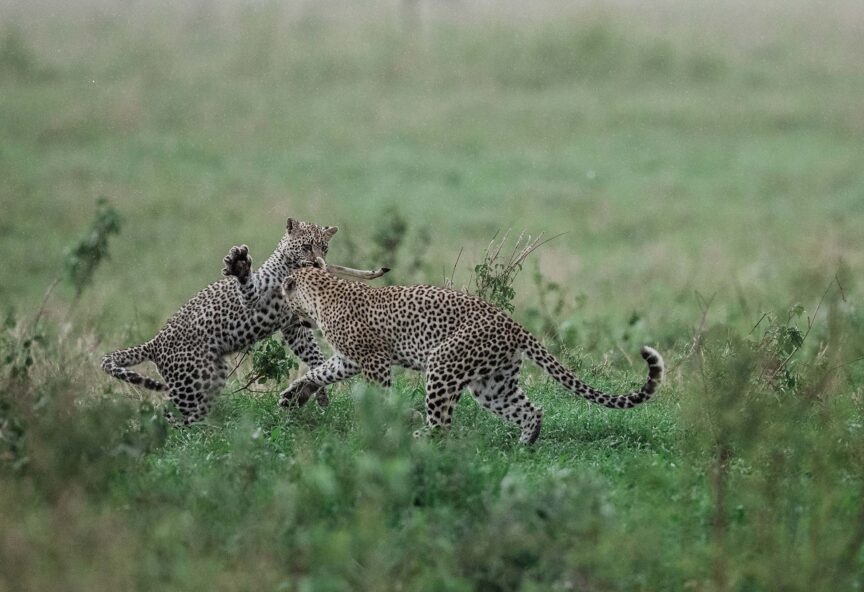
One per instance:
(116, 364)
(535, 351)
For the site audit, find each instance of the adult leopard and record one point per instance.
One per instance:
(229, 316)
(458, 340)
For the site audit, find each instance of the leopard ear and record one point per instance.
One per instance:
(289, 284)
(329, 231)
(291, 225)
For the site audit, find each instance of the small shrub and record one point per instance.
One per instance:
(83, 258)
(270, 362)
(772, 427)
(549, 315)
(517, 543)
(394, 243)
(54, 430)
(417, 265)
(495, 274)
(389, 236)
(16, 352)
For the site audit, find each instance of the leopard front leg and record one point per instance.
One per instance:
(238, 263)
(302, 342)
(333, 370)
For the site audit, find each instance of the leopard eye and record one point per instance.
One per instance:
(306, 247)
(324, 249)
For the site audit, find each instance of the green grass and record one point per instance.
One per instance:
(706, 165)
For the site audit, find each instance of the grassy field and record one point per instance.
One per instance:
(704, 162)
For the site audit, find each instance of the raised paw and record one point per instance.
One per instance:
(298, 393)
(238, 263)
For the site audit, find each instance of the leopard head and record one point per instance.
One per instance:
(305, 244)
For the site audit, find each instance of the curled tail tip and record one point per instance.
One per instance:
(656, 366)
(651, 355)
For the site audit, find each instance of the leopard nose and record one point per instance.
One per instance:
(319, 263)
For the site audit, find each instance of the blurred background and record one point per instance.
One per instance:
(680, 145)
(700, 164)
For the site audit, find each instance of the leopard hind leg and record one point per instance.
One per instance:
(117, 365)
(446, 378)
(194, 380)
(465, 359)
(499, 393)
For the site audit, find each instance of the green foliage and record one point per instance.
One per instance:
(494, 275)
(742, 482)
(271, 361)
(16, 352)
(389, 235)
(493, 282)
(57, 433)
(780, 340)
(729, 166)
(769, 449)
(82, 259)
(395, 242)
(551, 313)
(415, 263)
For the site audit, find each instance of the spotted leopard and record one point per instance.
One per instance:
(458, 340)
(226, 317)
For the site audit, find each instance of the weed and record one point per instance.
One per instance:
(84, 257)
(495, 274)
(394, 242)
(388, 236)
(550, 316)
(271, 362)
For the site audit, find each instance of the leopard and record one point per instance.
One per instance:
(458, 340)
(227, 317)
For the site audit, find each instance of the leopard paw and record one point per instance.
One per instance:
(298, 393)
(321, 397)
(238, 263)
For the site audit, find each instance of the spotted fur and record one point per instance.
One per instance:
(458, 340)
(226, 317)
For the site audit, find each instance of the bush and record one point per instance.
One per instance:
(774, 437)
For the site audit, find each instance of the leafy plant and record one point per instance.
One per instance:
(16, 352)
(417, 264)
(776, 466)
(83, 258)
(389, 236)
(270, 361)
(549, 315)
(394, 243)
(495, 274)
